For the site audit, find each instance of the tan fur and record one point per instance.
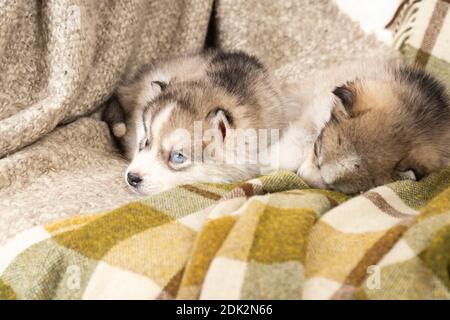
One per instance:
(397, 122)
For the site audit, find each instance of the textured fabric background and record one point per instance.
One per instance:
(293, 38)
(61, 59)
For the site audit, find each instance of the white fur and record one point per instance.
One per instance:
(291, 150)
(160, 119)
(178, 139)
(310, 172)
(137, 134)
(332, 172)
(145, 163)
(311, 111)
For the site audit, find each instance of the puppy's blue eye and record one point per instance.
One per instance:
(177, 157)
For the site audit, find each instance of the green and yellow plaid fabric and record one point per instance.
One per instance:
(267, 238)
(422, 33)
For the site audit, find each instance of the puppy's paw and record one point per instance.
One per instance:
(114, 116)
(119, 129)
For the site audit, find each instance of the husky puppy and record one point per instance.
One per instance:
(387, 121)
(222, 94)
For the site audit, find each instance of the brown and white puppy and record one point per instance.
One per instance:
(388, 122)
(188, 129)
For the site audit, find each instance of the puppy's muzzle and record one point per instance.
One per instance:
(133, 179)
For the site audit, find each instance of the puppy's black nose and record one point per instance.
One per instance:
(133, 179)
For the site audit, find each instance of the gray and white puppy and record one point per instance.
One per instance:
(221, 92)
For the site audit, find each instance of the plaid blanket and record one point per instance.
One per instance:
(267, 238)
(422, 33)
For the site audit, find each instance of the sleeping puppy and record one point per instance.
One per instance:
(387, 122)
(186, 117)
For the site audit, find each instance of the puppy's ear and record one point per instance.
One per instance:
(159, 85)
(130, 94)
(346, 95)
(220, 119)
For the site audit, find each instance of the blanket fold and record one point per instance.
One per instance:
(61, 59)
